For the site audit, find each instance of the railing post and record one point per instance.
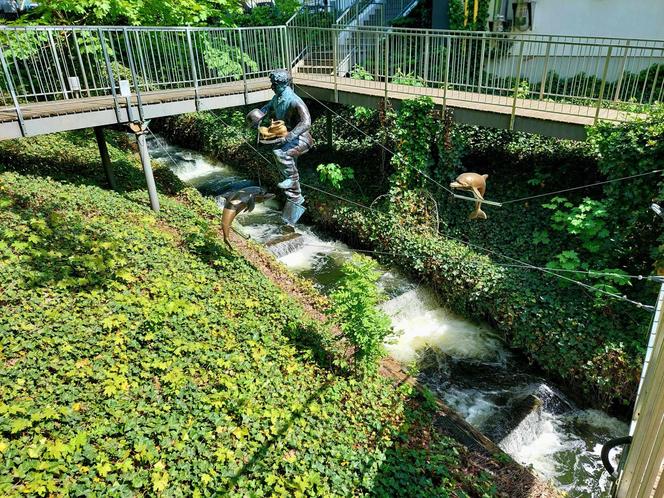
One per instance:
(621, 73)
(109, 72)
(603, 84)
(290, 55)
(194, 73)
(479, 84)
(56, 61)
(12, 90)
(284, 52)
(516, 85)
(387, 64)
(545, 71)
(654, 84)
(448, 49)
(134, 76)
(80, 63)
(426, 57)
(377, 55)
(335, 63)
(244, 69)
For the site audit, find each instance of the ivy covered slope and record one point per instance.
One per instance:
(591, 343)
(138, 356)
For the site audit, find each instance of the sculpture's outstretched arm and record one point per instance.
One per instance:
(305, 121)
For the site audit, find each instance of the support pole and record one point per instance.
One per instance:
(105, 159)
(140, 129)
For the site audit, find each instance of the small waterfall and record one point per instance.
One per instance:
(286, 244)
(423, 322)
(528, 413)
(316, 253)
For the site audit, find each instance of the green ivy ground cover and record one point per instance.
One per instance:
(139, 357)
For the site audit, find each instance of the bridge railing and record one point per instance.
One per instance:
(42, 64)
(557, 74)
(574, 76)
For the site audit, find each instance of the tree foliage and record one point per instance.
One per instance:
(133, 12)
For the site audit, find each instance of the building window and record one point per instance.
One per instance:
(522, 15)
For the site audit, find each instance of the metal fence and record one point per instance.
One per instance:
(41, 64)
(575, 76)
(556, 74)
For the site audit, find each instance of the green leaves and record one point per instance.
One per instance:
(354, 302)
(333, 174)
(132, 12)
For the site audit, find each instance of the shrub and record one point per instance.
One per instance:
(354, 302)
(333, 174)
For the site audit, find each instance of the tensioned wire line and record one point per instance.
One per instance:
(175, 163)
(523, 265)
(590, 273)
(447, 189)
(521, 199)
(450, 191)
(469, 244)
(163, 147)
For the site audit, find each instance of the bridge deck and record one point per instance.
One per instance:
(545, 117)
(88, 104)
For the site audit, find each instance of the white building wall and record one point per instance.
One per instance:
(642, 19)
(617, 19)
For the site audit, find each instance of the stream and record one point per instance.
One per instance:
(464, 363)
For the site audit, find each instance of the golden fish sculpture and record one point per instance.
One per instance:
(476, 184)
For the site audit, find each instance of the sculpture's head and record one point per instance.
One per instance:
(280, 79)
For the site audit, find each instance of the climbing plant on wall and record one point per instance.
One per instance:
(414, 132)
(462, 14)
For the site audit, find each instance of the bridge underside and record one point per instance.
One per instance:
(543, 118)
(90, 112)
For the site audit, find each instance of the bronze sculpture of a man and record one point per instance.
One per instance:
(288, 107)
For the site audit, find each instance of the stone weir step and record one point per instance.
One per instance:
(285, 244)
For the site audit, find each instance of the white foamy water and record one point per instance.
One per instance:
(189, 166)
(421, 322)
(473, 405)
(315, 252)
(536, 441)
(198, 168)
(566, 448)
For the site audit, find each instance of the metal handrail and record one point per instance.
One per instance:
(461, 34)
(556, 74)
(559, 74)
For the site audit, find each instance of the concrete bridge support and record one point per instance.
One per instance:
(105, 159)
(140, 130)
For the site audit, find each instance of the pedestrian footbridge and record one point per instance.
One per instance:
(65, 78)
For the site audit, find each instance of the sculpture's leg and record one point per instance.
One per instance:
(477, 193)
(287, 156)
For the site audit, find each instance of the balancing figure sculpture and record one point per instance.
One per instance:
(289, 136)
(476, 184)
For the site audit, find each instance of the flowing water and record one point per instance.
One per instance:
(463, 362)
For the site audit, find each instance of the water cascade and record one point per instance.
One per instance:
(463, 362)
